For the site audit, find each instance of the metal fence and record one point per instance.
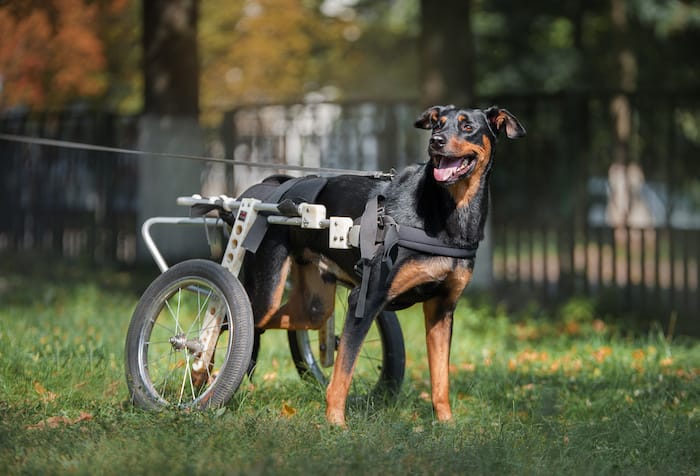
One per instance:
(557, 232)
(552, 228)
(359, 135)
(553, 235)
(69, 202)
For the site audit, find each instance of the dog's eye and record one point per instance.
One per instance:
(467, 127)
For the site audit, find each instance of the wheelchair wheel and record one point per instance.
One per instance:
(380, 363)
(190, 338)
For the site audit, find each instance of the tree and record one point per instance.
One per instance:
(261, 51)
(170, 121)
(446, 52)
(170, 57)
(50, 53)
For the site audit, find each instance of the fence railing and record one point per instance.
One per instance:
(67, 201)
(552, 192)
(552, 235)
(654, 273)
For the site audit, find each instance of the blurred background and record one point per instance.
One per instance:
(600, 200)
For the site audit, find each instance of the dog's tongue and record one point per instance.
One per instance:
(446, 168)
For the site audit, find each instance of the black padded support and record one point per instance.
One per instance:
(298, 190)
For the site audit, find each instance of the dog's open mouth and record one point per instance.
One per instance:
(450, 169)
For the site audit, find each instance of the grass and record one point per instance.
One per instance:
(566, 394)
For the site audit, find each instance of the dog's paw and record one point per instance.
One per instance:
(443, 413)
(336, 418)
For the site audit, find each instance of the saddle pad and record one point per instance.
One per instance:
(275, 189)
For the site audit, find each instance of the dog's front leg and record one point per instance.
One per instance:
(354, 332)
(438, 334)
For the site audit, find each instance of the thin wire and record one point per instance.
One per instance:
(118, 150)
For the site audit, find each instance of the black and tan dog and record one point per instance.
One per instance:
(445, 199)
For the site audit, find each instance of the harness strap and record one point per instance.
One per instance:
(259, 228)
(378, 229)
(369, 228)
(417, 239)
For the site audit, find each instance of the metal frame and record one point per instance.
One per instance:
(342, 235)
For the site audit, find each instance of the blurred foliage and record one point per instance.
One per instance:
(283, 50)
(271, 49)
(567, 45)
(57, 52)
(50, 53)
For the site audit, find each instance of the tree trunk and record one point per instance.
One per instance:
(170, 59)
(625, 175)
(170, 122)
(447, 53)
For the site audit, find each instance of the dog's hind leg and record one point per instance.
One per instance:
(264, 278)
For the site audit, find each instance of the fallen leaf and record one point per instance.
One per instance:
(288, 411)
(598, 326)
(601, 354)
(46, 395)
(51, 422)
(84, 416)
(112, 389)
(56, 421)
(268, 377)
(39, 388)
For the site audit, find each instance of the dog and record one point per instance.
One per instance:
(444, 201)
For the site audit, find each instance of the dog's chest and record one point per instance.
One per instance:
(423, 278)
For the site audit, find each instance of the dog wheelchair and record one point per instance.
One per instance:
(192, 339)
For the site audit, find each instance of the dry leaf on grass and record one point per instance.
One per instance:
(56, 421)
(46, 395)
(288, 411)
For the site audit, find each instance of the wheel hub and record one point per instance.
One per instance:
(181, 342)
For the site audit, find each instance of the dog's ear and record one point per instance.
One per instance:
(428, 118)
(501, 119)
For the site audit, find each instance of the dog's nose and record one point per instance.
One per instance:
(437, 141)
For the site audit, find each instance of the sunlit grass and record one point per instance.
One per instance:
(571, 393)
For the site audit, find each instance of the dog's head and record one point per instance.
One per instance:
(462, 139)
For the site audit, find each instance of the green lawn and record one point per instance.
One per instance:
(568, 394)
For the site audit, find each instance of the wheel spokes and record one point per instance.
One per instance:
(174, 344)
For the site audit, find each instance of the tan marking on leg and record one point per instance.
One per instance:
(438, 313)
(438, 332)
(338, 387)
(354, 333)
(457, 281)
(337, 394)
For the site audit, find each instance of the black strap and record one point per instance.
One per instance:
(417, 239)
(257, 231)
(377, 229)
(368, 248)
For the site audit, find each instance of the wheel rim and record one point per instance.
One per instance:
(173, 339)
